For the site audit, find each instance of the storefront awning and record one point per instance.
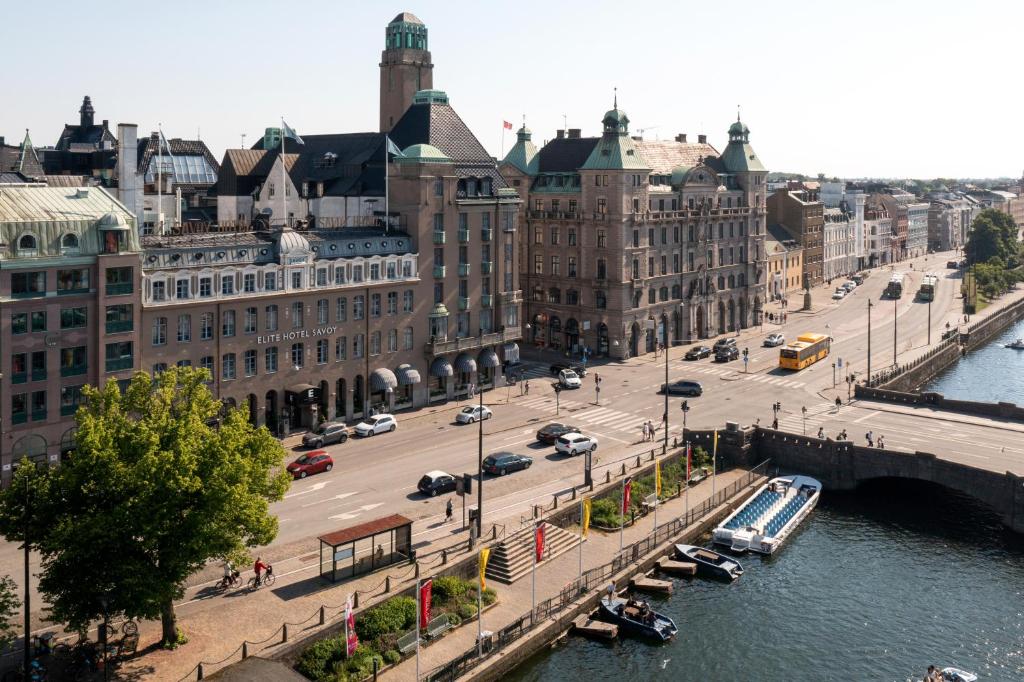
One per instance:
(303, 394)
(381, 379)
(464, 363)
(488, 359)
(407, 376)
(440, 367)
(511, 351)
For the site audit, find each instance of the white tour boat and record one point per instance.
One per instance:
(765, 520)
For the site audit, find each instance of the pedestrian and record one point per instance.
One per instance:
(526, 387)
(881, 443)
(869, 439)
(650, 429)
(448, 512)
(839, 402)
(611, 591)
(775, 424)
(645, 431)
(821, 432)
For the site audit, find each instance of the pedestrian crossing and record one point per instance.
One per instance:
(758, 378)
(603, 417)
(817, 416)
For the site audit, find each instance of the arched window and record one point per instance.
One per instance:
(676, 291)
(27, 243)
(732, 281)
(663, 294)
(554, 295)
(741, 279)
(601, 301)
(69, 244)
(721, 282)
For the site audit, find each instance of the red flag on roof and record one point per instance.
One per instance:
(508, 126)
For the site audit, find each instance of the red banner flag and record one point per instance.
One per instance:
(508, 126)
(689, 451)
(352, 639)
(425, 592)
(627, 487)
(540, 540)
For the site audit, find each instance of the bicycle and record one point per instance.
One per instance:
(128, 628)
(267, 579)
(233, 580)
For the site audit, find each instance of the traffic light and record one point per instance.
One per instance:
(597, 378)
(467, 484)
(685, 406)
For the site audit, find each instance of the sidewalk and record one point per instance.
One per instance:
(514, 600)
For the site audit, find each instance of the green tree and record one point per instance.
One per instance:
(993, 235)
(9, 603)
(154, 490)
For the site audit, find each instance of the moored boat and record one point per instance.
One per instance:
(1016, 345)
(635, 617)
(766, 519)
(710, 563)
(957, 675)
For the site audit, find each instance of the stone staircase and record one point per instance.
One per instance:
(512, 558)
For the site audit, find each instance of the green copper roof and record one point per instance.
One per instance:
(679, 174)
(422, 153)
(523, 154)
(739, 128)
(430, 97)
(739, 156)
(615, 150)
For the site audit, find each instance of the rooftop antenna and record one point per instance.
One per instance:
(565, 121)
(616, 100)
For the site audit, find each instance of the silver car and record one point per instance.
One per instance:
(774, 340)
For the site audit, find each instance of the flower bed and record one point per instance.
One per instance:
(380, 627)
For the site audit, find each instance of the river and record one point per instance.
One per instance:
(992, 373)
(876, 585)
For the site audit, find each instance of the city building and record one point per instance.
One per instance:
(802, 214)
(69, 309)
(21, 159)
(838, 244)
(852, 201)
(878, 232)
(1007, 202)
(405, 67)
(629, 243)
(86, 149)
(949, 219)
(785, 263)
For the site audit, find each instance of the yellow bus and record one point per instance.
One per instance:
(806, 350)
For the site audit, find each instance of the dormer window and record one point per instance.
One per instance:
(27, 245)
(69, 245)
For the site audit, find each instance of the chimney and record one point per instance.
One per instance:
(1, 140)
(681, 137)
(559, 134)
(574, 133)
(129, 190)
(106, 124)
(702, 139)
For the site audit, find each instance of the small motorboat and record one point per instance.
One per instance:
(1016, 345)
(710, 564)
(957, 675)
(635, 617)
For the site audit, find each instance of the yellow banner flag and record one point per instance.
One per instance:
(485, 554)
(586, 516)
(657, 478)
(716, 441)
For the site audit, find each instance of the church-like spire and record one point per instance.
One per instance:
(87, 113)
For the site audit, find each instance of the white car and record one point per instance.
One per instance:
(569, 379)
(850, 286)
(468, 415)
(839, 295)
(774, 340)
(575, 443)
(380, 423)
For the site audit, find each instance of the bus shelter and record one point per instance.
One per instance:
(365, 548)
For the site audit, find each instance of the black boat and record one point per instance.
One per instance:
(636, 618)
(710, 564)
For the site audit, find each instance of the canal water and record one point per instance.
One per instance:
(875, 585)
(992, 373)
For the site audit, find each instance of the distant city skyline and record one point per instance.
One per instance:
(894, 90)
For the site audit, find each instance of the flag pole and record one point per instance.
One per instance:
(533, 579)
(346, 625)
(284, 204)
(622, 513)
(714, 466)
(581, 542)
(686, 503)
(657, 487)
(417, 629)
(479, 603)
(387, 221)
(160, 179)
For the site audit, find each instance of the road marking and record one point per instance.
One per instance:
(313, 488)
(355, 512)
(342, 496)
(858, 420)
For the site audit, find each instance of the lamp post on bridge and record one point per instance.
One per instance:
(870, 304)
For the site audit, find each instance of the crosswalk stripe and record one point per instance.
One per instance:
(601, 419)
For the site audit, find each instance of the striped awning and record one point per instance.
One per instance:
(440, 367)
(407, 375)
(464, 363)
(381, 379)
(488, 359)
(511, 351)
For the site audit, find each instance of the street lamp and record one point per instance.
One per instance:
(894, 321)
(480, 472)
(870, 304)
(804, 410)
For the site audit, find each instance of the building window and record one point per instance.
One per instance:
(375, 305)
(602, 206)
(602, 268)
(249, 363)
(206, 362)
(407, 338)
(321, 277)
(323, 351)
(270, 315)
(572, 236)
(206, 326)
(70, 399)
(227, 363)
(600, 299)
(270, 359)
(341, 309)
(28, 284)
(340, 348)
(74, 318)
(439, 187)
(572, 266)
(572, 297)
(393, 341)
(664, 264)
(184, 328)
(392, 303)
(554, 236)
(227, 284)
(297, 315)
(181, 288)
(19, 323)
(538, 264)
(462, 325)
(650, 266)
(228, 324)
(269, 281)
(374, 272)
(554, 295)
(72, 281)
(358, 341)
(159, 331)
(407, 301)
(159, 290)
(556, 268)
(357, 307)
(298, 355)
(538, 235)
(249, 282)
(663, 294)
(339, 274)
(322, 311)
(250, 320)
(118, 356)
(205, 287)
(296, 279)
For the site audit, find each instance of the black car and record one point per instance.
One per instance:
(550, 433)
(683, 387)
(729, 342)
(557, 367)
(953, 264)
(435, 482)
(727, 353)
(697, 352)
(500, 463)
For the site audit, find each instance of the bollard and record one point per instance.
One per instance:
(355, 595)
(417, 569)
(323, 614)
(387, 584)
(444, 556)
(592, 484)
(574, 493)
(555, 505)
(245, 650)
(494, 532)
(199, 671)
(652, 455)
(638, 459)
(623, 469)
(375, 669)
(608, 476)
(284, 633)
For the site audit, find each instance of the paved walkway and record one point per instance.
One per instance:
(515, 600)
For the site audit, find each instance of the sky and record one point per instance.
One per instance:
(896, 88)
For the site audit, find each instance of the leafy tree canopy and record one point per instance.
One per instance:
(154, 490)
(9, 603)
(993, 235)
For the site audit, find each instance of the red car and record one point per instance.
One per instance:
(311, 463)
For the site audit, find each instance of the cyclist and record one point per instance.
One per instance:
(259, 567)
(229, 573)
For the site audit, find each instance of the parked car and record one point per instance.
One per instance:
(326, 434)
(728, 353)
(469, 415)
(683, 387)
(435, 482)
(849, 286)
(550, 433)
(311, 463)
(774, 340)
(569, 379)
(379, 423)
(839, 295)
(500, 463)
(729, 342)
(857, 279)
(697, 352)
(556, 368)
(575, 443)
(953, 264)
